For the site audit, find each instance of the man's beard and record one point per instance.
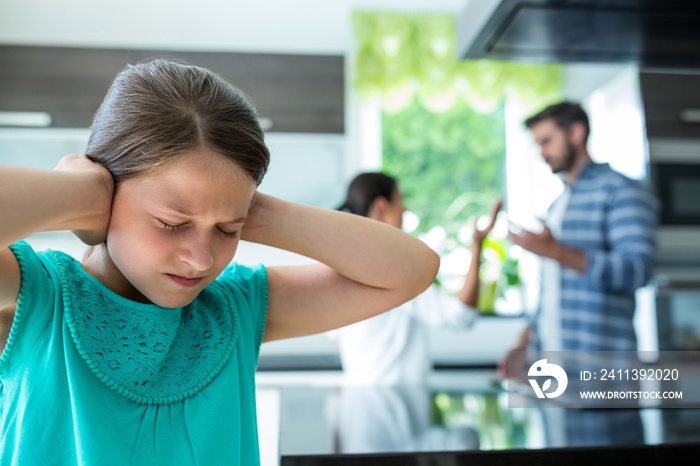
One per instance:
(567, 162)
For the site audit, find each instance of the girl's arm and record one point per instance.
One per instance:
(33, 200)
(365, 267)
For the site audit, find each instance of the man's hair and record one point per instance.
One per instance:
(563, 114)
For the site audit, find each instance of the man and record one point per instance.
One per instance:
(598, 245)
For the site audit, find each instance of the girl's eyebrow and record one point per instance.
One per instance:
(182, 211)
(237, 220)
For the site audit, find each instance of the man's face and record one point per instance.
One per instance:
(172, 233)
(556, 145)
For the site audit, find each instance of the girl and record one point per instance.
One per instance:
(392, 348)
(145, 353)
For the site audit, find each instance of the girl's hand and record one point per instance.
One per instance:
(255, 218)
(96, 228)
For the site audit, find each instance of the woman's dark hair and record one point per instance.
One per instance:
(158, 110)
(563, 114)
(364, 189)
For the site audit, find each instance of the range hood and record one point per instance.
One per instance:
(650, 33)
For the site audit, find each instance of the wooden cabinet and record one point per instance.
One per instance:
(297, 93)
(668, 97)
(68, 84)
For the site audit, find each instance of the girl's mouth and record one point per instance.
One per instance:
(183, 281)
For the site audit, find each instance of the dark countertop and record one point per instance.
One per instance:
(459, 411)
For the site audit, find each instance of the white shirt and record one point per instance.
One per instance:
(392, 348)
(549, 320)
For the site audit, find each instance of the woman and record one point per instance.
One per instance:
(392, 348)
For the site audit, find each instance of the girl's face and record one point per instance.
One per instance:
(173, 232)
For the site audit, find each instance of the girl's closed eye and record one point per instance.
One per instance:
(229, 234)
(180, 226)
(170, 226)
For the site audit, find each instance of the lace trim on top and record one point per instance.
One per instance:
(149, 354)
(19, 316)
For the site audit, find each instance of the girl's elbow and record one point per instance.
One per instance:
(417, 274)
(435, 265)
(431, 266)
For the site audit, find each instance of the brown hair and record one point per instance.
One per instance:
(364, 189)
(563, 114)
(159, 109)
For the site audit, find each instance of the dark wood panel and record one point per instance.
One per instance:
(299, 93)
(67, 83)
(665, 96)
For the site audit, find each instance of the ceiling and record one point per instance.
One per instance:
(317, 27)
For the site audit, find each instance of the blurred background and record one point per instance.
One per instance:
(433, 92)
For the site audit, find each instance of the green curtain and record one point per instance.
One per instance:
(400, 56)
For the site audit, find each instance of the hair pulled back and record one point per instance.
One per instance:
(158, 110)
(364, 189)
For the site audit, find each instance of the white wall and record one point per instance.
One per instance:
(272, 26)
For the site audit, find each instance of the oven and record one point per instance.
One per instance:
(671, 100)
(678, 187)
(674, 169)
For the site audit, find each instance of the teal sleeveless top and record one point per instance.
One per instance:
(90, 378)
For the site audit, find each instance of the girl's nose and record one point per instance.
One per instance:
(197, 252)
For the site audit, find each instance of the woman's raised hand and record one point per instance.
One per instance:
(480, 234)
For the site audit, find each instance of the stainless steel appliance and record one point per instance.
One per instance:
(676, 180)
(671, 102)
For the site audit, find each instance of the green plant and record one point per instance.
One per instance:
(450, 165)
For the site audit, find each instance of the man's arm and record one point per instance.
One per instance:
(543, 244)
(631, 226)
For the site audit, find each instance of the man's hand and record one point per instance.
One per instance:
(513, 364)
(543, 244)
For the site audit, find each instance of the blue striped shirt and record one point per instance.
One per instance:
(613, 219)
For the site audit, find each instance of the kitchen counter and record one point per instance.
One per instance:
(449, 348)
(457, 411)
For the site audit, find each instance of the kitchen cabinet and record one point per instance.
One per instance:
(298, 93)
(670, 101)
(294, 93)
(69, 84)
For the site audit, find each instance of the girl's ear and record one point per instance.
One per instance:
(377, 208)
